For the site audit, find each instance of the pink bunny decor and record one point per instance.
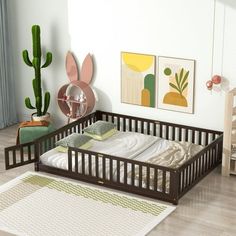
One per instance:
(76, 99)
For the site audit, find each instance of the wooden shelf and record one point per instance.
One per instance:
(234, 124)
(233, 172)
(233, 140)
(229, 139)
(233, 91)
(233, 158)
(234, 111)
(71, 100)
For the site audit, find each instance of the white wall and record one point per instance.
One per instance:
(182, 28)
(177, 28)
(53, 19)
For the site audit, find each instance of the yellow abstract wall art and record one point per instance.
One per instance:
(138, 79)
(176, 84)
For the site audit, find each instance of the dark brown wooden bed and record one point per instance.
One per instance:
(174, 182)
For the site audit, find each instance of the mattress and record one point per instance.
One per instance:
(121, 144)
(130, 145)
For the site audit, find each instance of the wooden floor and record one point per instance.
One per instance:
(209, 209)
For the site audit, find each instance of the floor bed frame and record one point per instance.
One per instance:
(179, 180)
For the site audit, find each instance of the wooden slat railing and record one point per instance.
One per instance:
(19, 155)
(124, 174)
(192, 171)
(161, 129)
(121, 173)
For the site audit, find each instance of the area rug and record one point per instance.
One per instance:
(35, 204)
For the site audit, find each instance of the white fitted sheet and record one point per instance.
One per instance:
(121, 144)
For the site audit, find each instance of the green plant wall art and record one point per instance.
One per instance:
(138, 79)
(176, 84)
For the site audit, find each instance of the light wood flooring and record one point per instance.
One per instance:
(209, 209)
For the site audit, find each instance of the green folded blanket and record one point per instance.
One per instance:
(29, 134)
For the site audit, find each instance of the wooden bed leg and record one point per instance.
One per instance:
(175, 202)
(36, 166)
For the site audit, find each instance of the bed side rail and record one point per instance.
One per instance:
(123, 174)
(161, 129)
(191, 172)
(47, 142)
(141, 177)
(26, 153)
(19, 155)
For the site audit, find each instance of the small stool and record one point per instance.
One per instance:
(29, 134)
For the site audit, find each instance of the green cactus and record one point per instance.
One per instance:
(36, 64)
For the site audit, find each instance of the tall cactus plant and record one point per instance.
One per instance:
(36, 64)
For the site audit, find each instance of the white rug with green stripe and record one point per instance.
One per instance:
(35, 204)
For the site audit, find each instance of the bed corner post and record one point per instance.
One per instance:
(36, 166)
(98, 115)
(174, 186)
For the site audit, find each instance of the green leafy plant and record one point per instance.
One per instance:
(36, 64)
(181, 81)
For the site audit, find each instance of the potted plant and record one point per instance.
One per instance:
(41, 108)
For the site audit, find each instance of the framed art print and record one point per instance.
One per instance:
(176, 84)
(138, 79)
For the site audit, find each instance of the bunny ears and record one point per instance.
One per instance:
(72, 71)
